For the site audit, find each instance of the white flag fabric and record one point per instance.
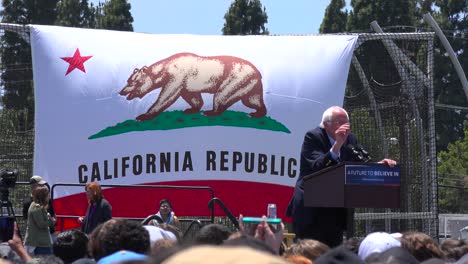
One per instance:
(228, 112)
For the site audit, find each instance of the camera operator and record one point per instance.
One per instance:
(34, 182)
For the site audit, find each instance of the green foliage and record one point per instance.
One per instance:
(177, 119)
(245, 17)
(335, 17)
(452, 17)
(75, 13)
(452, 171)
(114, 15)
(386, 13)
(16, 74)
(29, 12)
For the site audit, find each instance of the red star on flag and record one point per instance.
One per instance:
(76, 62)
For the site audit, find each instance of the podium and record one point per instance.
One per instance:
(353, 185)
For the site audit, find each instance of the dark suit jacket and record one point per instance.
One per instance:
(101, 214)
(315, 155)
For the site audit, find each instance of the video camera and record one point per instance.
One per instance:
(8, 178)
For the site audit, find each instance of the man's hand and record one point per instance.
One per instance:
(263, 232)
(341, 134)
(273, 238)
(242, 228)
(80, 219)
(389, 162)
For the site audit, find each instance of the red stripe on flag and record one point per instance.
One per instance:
(240, 197)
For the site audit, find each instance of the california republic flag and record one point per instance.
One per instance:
(227, 112)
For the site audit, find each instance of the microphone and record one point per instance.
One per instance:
(356, 154)
(364, 153)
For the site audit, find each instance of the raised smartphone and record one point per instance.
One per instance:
(257, 220)
(6, 228)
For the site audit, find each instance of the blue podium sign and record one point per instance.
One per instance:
(372, 174)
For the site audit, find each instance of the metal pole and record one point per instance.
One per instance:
(453, 57)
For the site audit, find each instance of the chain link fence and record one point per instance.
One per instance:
(390, 100)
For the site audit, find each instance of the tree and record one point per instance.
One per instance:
(386, 13)
(453, 18)
(334, 20)
(16, 73)
(372, 54)
(453, 176)
(245, 17)
(75, 13)
(114, 15)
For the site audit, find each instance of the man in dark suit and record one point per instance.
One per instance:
(323, 146)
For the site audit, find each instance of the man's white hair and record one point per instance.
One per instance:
(327, 115)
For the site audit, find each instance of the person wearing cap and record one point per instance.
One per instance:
(377, 242)
(34, 182)
(99, 209)
(122, 256)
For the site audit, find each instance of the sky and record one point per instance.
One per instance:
(206, 17)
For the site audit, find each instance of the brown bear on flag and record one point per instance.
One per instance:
(229, 79)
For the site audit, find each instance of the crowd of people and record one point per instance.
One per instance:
(129, 241)
(319, 231)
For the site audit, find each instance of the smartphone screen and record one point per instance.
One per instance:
(6, 227)
(257, 220)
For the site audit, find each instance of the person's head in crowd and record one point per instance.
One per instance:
(352, 244)
(248, 241)
(156, 233)
(433, 261)
(165, 207)
(70, 245)
(161, 245)
(463, 260)
(173, 229)
(118, 234)
(93, 192)
(47, 259)
(454, 249)
(421, 246)
(298, 259)
(123, 256)
(308, 248)
(235, 235)
(40, 195)
(377, 242)
(163, 255)
(9, 254)
(84, 261)
(338, 255)
(393, 255)
(135, 261)
(93, 242)
(213, 234)
(166, 213)
(209, 254)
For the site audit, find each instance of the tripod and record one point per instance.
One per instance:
(6, 204)
(7, 220)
